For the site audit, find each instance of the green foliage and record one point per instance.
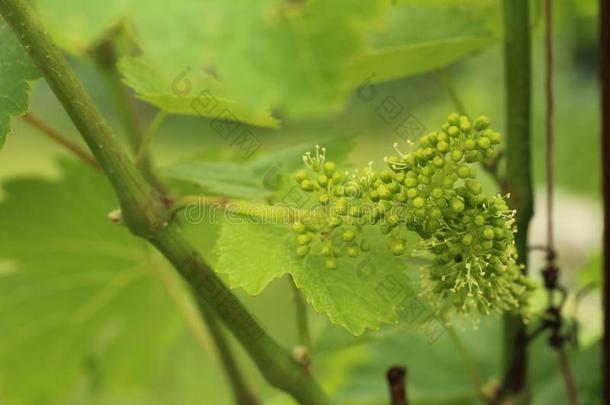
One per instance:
(419, 38)
(358, 295)
(262, 178)
(75, 309)
(200, 95)
(305, 60)
(16, 71)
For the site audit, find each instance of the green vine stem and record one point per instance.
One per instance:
(145, 214)
(517, 70)
(106, 58)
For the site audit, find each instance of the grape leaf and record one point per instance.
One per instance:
(16, 71)
(79, 26)
(80, 294)
(362, 293)
(266, 176)
(203, 97)
(418, 38)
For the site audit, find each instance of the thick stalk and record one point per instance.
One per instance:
(517, 70)
(106, 58)
(145, 214)
(604, 33)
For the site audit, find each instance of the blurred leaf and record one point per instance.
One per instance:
(584, 366)
(78, 26)
(204, 97)
(420, 38)
(361, 293)
(260, 178)
(436, 372)
(16, 70)
(82, 293)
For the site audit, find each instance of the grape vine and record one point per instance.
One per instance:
(430, 193)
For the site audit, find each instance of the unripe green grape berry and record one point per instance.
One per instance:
(326, 250)
(398, 247)
(481, 123)
(399, 177)
(353, 191)
(339, 191)
(436, 192)
(483, 142)
(338, 178)
(303, 250)
(401, 197)
(488, 244)
(384, 193)
(467, 239)
(393, 187)
(410, 159)
(457, 205)
(465, 125)
(488, 233)
(300, 176)
(392, 161)
(463, 172)
(322, 180)
(469, 144)
(424, 179)
(331, 263)
(435, 213)
(474, 186)
(442, 146)
(453, 118)
(348, 236)
(438, 162)
(479, 220)
(453, 131)
(299, 227)
(418, 202)
(495, 137)
(385, 176)
(329, 168)
(324, 199)
(352, 251)
(304, 239)
(411, 182)
(307, 185)
(427, 171)
(456, 155)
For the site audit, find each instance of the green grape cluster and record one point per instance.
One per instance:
(431, 191)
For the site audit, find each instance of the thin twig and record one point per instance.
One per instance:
(446, 81)
(144, 147)
(45, 129)
(397, 381)
(301, 316)
(567, 376)
(475, 377)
